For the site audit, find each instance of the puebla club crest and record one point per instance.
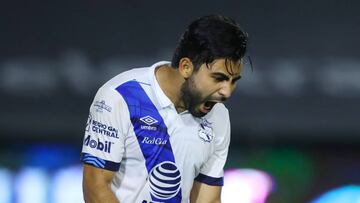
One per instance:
(206, 130)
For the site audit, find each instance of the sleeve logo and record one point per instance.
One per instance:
(104, 129)
(97, 144)
(100, 106)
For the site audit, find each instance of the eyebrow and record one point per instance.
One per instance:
(226, 77)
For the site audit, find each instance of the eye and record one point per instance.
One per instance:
(219, 78)
(235, 80)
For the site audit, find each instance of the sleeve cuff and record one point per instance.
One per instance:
(210, 180)
(99, 163)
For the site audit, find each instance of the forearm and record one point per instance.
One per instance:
(202, 193)
(200, 201)
(205, 201)
(96, 185)
(99, 194)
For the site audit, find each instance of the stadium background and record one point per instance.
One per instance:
(295, 116)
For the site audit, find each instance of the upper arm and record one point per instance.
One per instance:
(203, 193)
(106, 130)
(103, 146)
(95, 175)
(96, 184)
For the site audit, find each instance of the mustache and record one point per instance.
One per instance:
(215, 99)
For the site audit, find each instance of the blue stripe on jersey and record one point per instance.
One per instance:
(210, 180)
(152, 136)
(99, 163)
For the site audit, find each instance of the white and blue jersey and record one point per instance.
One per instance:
(134, 129)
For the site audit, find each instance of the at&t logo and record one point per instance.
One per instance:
(164, 180)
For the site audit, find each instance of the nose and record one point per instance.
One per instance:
(226, 90)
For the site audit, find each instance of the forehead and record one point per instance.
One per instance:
(226, 66)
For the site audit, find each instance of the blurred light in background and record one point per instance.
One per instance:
(31, 185)
(40, 173)
(5, 185)
(50, 156)
(67, 185)
(346, 194)
(49, 173)
(38, 185)
(246, 186)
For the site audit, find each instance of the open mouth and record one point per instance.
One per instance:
(207, 106)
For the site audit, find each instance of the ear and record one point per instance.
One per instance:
(186, 67)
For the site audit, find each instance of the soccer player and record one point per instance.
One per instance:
(161, 133)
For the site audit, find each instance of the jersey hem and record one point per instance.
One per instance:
(210, 180)
(99, 163)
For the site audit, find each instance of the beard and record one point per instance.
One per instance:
(191, 97)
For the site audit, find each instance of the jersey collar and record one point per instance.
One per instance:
(163, 100)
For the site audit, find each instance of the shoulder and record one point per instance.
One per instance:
(139, 74)
(219, 114)
(108, 102)
(143, 75)
(108, 90)
(108, 95)
(220, 122)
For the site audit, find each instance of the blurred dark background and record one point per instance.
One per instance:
(295, 115)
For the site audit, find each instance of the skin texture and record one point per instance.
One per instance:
(202, 193)
(215, 82)
(96, 185)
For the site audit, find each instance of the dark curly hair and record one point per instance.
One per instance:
(209, 38)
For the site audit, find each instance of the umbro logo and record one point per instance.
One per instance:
(148, 120)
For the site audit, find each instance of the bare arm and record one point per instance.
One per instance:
(203, 193)
(96, 185)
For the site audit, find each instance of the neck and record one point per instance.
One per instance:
(170, 81)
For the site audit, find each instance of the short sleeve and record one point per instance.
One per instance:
(105, 131)
(212, 172)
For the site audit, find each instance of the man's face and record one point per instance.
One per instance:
(209, 85)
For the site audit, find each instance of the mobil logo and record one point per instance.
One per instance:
(104, 146)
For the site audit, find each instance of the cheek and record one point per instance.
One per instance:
(205, 84)
(194, 89)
